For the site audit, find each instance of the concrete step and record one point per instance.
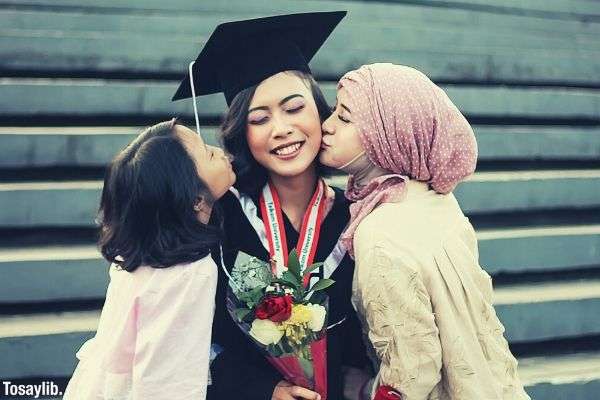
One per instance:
(45, 344)
(74, 203)
(96, 146)
(77, 272)
(128, 16)
(99, 98)
(73, 146)
(570, 376)
(461, 43)
(52, 273)
(544, 311)
(572, 9)
(542, 249)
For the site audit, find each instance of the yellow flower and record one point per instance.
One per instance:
(301, 315)
(295, 328)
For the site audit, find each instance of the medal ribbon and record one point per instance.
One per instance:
(272, 217)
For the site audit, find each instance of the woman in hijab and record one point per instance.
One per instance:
(424, 300)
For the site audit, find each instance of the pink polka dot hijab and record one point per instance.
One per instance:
(408, 127)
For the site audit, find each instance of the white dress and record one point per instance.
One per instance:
(153, 339)
(426, 304)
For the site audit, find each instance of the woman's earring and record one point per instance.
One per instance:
(197, 207)
(203, 210)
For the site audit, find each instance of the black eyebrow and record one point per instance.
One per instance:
(345, 108)
(258, 108)
(282, 102)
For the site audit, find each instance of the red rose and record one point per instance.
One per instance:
(387, 393)
(275, 308)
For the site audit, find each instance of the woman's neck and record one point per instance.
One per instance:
(363, 170)
(295, 193)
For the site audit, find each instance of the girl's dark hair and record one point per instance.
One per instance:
(251, 176)
(146, 211)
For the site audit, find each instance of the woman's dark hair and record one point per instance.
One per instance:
(146, 211)
(251, 176)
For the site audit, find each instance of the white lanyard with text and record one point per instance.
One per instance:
(272, 217)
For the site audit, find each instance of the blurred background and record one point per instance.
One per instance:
(79, 78)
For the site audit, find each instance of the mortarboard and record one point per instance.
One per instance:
(241, 54)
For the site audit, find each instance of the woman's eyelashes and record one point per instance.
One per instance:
(343, 119)
(257, 121)
(261, 119)
(295, 109)
(340, 116)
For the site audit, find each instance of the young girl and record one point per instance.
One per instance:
(154, 335)
(425, 302)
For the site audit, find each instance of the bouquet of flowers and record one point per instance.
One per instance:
(284, 317)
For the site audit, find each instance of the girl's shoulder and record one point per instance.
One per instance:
(146, 278)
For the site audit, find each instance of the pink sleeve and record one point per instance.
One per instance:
(174, 323)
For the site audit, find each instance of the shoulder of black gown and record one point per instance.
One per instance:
(338, 216)
(341, 203)
(239, 235)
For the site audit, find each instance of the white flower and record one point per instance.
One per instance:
(317, 319)
(265, 331)
(270, 288)
(250, 273)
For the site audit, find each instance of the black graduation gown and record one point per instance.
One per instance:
(241, 370)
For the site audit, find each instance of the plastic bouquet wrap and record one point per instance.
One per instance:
(284, 317)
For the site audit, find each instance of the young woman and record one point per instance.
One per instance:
(424, 301)
(154, 335)
(273, 130)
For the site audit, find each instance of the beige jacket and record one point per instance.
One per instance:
(426, 304)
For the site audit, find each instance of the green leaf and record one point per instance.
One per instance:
(242, 313)
(251, 298)
(294, 264)
(286, 346)
(292, 279)
(316, 298)
(313, 267)
(322, 284)
(284, 283)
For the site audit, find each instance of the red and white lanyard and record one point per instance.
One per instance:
(308, 240)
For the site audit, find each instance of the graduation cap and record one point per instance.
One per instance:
(241, 54)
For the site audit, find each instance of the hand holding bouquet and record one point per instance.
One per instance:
(284, 317)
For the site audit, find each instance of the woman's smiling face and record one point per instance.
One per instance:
(341, 141)
(284, 128)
